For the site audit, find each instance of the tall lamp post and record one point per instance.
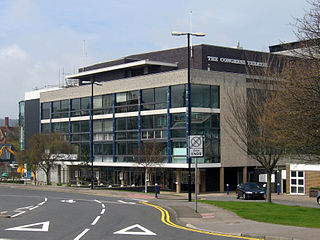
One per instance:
(92, 82)
(188, 34)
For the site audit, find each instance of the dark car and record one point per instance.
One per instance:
(318, 198)
(249, 191)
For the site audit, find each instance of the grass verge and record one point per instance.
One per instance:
(272, 213)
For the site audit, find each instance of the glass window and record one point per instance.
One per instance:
(120, 123)
(200, 96)
(160, 95)
(75, 104)
(45, 110)
(121, 98)
(107, 149)
(178, 120)
(45, 128)
(107, 125)
(300, 174)
(179, 133)
(147, 96)
(179, 152)
(293, 174)
(85, 103)
(132, 148)
(147, 122)
(133, 97)
(97, 149)
(132, 123)
(97, 125)
(215, 96)
(84, 126)
(65, 105)
(200, 120)
(161, 121)
(56, 106)
(97, 102)
(178, 96)
(215, 120)
(121, 148)
(107, 100)
(75, 127)
(160, 98)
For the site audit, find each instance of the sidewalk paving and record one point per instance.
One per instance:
(212, 218)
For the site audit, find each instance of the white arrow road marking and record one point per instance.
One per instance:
(143, 231)
(120, 201)
(68, 201)
(44, 228)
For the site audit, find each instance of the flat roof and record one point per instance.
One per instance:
(121, 66)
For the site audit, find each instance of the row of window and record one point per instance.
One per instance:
(178, 120)
(130, 150)
(204, 96)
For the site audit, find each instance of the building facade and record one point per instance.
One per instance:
(143, 99)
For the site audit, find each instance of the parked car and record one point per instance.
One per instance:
(318, 198)
(249, 191)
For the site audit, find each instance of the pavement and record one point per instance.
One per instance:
(211, 218)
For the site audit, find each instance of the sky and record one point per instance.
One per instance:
(43, 40)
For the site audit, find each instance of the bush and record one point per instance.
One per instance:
(59, 184)
(69, 184)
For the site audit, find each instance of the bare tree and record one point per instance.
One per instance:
(149, 157)
(44, 150)
(250, 118)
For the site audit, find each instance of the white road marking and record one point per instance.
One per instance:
(23, 209)
(144, 231)
(95, 221)
(44, 228)
(28, 207)
(16, 215)
(103, 206)
(102, 211)
(98, 201)
(83, 233)
(68, 201)
(140, 200)
(120, 201)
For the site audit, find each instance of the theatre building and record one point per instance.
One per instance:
(143, 98)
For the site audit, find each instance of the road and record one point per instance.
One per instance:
(48, 215)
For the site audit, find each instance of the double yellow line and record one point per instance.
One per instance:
(165, 218)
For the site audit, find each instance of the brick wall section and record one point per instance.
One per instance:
(312, 179)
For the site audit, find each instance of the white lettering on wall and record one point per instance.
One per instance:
(237, 61)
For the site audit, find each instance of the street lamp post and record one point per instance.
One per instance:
(188, 34)
(92, 82)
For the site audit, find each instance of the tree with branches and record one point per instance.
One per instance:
(149, 157)
(250, 117)
(43, 152)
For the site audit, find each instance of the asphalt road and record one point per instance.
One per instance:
(58, 215)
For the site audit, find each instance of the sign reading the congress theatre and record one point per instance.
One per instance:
(236, 61)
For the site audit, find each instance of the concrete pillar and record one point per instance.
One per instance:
(245, 173)
(222, 179)
(203, 181)
(122, 179)
(178, 181)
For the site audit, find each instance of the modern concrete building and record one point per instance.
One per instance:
(143, 98)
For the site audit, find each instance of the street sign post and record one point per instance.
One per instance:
(196, 150)
(196, 146)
